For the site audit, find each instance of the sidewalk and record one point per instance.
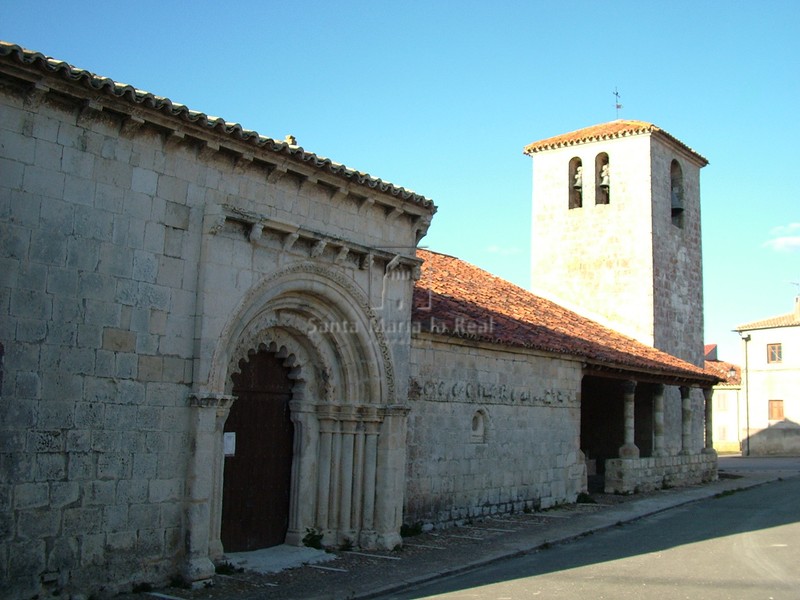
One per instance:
(357, 575)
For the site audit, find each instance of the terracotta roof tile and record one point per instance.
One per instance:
(789, 320)
(13, 53)
(722, 369)
(606, 131)
(457, 299)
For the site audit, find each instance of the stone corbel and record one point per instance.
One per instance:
(174, 138)
(36, 95)
(308, 181)
(366, 261)
(366, 204)
(243, 162)
(256, 232)
(339, 195)
(289, 241)
(393, 264)
(208, 151)
(392, 214)
(342, 255)
(277, 172)
(89, 109)
(130, 125)
(318, 248)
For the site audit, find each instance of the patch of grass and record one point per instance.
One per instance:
(584, 498)
(178, 582)
(226, 568)
(346, 545)
(140, 588)
(727, 493)
(411, 530)
(313, 538)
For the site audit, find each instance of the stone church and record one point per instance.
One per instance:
(214, 341)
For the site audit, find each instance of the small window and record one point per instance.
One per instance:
(478, 434)
(676, 193)
(602, 177)
(776, 410)
(575, 183)
(774, 353)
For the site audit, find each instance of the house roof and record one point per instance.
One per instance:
(607, 131)
(11, 53)
(723, 369)
(456, 299)
(791, 319)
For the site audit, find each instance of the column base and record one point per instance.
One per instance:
(629, 451)
(198, 571)
(708, 451)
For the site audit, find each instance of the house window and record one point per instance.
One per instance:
(676, 193)
(602, 178)
(774, 353)
(575, 183)
(478, 435)
(776, 410)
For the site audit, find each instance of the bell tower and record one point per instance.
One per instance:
(616, 231)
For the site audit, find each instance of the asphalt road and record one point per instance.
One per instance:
(742, 546)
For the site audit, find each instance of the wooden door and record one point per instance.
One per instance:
(257, 477)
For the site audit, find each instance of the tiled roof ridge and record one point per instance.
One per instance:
(217, 124)
(549, 337)
(606, 131)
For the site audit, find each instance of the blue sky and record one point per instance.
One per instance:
(441, 96)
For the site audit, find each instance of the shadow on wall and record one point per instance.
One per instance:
(779, 439)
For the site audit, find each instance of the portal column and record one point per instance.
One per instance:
(204, 486)
(304, 474)
(629, 449)
(686, 420)
(659, 448)
(707, 395)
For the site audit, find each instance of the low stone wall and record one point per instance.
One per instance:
(630, 475)
(776, 441)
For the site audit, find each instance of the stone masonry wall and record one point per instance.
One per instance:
(102, 226)
(523, 450)
(100, 243)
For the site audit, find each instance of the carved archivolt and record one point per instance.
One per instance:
(322, 318)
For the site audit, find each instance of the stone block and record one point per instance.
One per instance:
(132, 491)
(79, 190)
(64, 493)
(127, 365)
(145, 266)
(31, 495)
(54, 414)
(64, 554)
(114, 466)
(46, 441)
(118, 340)
(31, 304)
(48, 248)
(177, 215)
(93, 548)
(150, 542)
(83, 520)
(143, 516)
(100, 493)
(162, 490)
(144, 181)
(115, 518)
(82, 466)
(38, 523)
(28, 386)
(150, 368)
(50, 467)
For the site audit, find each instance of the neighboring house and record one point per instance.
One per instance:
(198, 320)
(728, 402)
(771, 384)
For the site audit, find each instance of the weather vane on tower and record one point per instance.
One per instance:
(617, 104)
